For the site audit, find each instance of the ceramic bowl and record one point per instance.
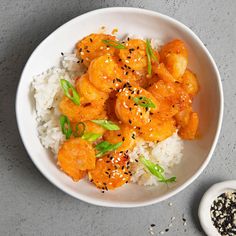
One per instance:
(209, 102)
(205, 205)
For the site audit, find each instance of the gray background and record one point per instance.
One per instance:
(29, 204)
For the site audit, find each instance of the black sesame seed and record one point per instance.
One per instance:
(87, 51)
(166, 230)
(82, 60)
(126, 73)
(90, 40)
(80, 50)
(119, 60)
(123, 139)
(118, 135)
(130, 121)
(153, 225)
(129, 97)
(128, 57)
(62, 53)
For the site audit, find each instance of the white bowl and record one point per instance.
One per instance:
(209, 102)
(205, 205)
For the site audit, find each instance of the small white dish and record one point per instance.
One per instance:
(208, 103)
(205, 205)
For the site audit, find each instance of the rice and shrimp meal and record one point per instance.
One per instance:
(117, 111)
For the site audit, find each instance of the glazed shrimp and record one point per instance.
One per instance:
(86, 89)
(111, 171)
(134, 55)
(172, 98)
(175, 57)
(75, 156)
(189, 131)
(126, 134)
(92, 46)
(86, 110)
(130, 107)
(190, 83)
(157, 130)
(105, 74)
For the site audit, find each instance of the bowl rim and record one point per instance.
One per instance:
(219, 124)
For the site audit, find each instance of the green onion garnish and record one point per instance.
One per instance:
(70, 91)
(156, 170)
(144, 102)
(105, 147)
(150, 55)
(65, 126)
(79, 129)
(114, 44)
(109, 125)
(91, 137)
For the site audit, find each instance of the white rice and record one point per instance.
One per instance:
(167, 154)
(48, 93)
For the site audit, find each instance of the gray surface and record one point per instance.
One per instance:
(29, 204)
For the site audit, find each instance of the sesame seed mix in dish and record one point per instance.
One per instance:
(117, 111)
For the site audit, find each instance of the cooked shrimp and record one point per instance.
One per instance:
(86, 110)
(75, 156)
(190, 83)
(130, 107)
(171, 97)
(163, 73)
(92, 46)
(183, 116)
(175, 57)
(86, 89)
(157, 130)
(189, 131)
(126, 134)
(134, 55)
(111, 171)
(105, 74)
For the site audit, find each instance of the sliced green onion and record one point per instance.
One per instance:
(109, 125)
(144, 102)
(114, 44)
(79, 129)
(70, 91)
(150, 56)
(65, 126)
(151, 52)
(156, 170)
(105, 147)
(91, 137)
(149, 62)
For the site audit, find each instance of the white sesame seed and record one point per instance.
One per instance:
(82, 53)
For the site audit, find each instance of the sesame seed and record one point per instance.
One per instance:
(62, 53)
